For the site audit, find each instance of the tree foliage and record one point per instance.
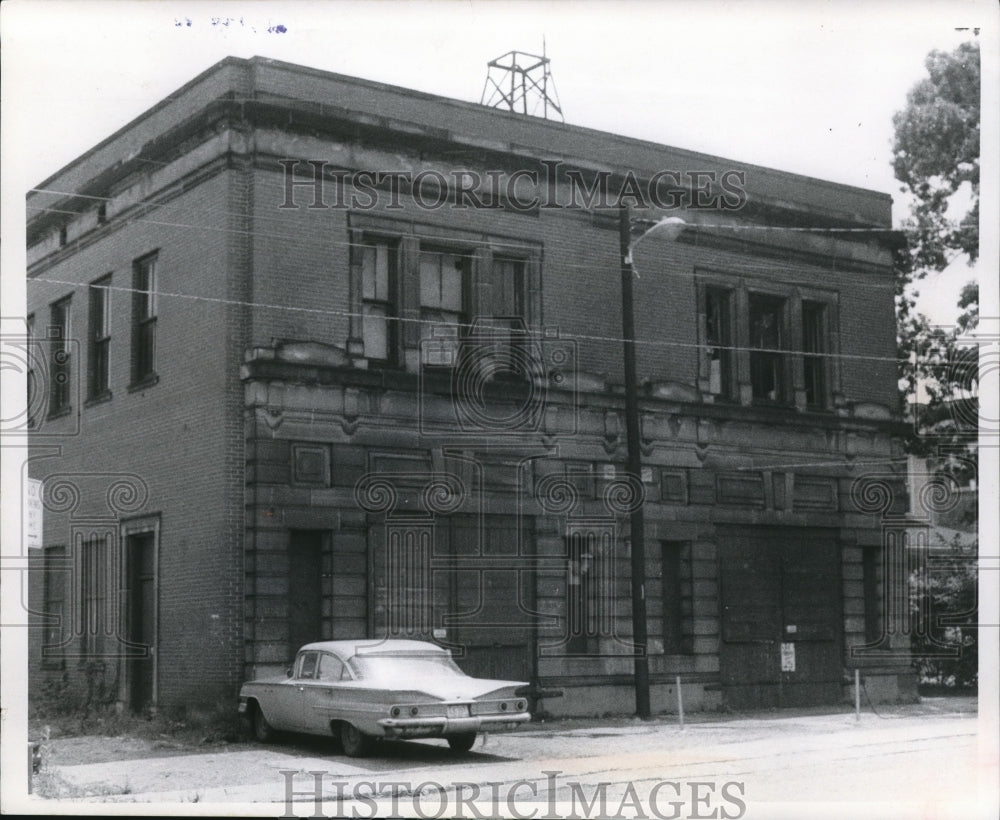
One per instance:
(936, 158)
(946, 654)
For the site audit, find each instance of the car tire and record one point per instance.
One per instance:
(262, 730)
(462, 742)
(354, 742)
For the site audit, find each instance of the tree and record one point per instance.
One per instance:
(949, 596)
(936, 157)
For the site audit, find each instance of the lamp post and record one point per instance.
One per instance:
(671, 228)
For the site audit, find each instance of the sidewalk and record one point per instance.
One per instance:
(254, 774)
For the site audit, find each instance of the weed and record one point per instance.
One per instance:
(196, 725)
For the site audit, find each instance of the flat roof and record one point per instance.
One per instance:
(471, 124)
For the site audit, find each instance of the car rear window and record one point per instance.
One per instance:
(403, 667)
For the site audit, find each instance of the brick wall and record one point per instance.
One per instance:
(178, 435)
(302, 259)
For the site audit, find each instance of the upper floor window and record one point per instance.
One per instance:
(719, 341)
(509, 285)
(771, 347)
(144, 319)
(443, 299)
(59, 371)
(99, 339)
(767, 341)
(379, 301)
(508, 282)
(425, 297)
(814, 346)
(31, 375)
(496, 344)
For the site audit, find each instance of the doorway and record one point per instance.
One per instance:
(780, 595)
(140, 569)
(492, 595)
(305, 590)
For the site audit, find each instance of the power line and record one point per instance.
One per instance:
(741, 267)
(468, 326)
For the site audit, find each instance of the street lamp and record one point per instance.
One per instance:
(669, 228)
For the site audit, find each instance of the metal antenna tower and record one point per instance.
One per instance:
(518, 80)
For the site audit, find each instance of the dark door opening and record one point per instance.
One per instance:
(140, 563)
(305, 592)
(781, 619)
(489, 614)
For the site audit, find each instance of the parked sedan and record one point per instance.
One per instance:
(361, 691)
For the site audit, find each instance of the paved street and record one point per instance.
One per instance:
(922, 762)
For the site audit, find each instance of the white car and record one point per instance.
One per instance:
(365, 690)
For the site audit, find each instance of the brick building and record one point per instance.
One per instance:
(281, 396)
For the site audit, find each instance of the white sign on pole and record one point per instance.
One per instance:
(33, 513)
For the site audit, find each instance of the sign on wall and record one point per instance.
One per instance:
(33, 513)
(787, 657)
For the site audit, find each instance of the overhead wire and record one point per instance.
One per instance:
(471, 325)
(723, 266)
(742, 266)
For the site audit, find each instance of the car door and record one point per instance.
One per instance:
(285, 706)
(321, 695)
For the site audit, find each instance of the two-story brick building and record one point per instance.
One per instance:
(323, 358)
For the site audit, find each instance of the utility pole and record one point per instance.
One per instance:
(633, 467)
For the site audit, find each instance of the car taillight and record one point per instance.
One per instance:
(503, 706)
(413, 710)
(395, 711)
(521, 705)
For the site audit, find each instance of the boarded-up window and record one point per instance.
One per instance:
(378, 294)
(443, 298)
(767, 341)
(718, 340)
(813, 348)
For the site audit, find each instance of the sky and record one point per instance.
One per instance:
(806, 87)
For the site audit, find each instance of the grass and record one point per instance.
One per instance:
(191, 725)
(49, 784)
(171, 729)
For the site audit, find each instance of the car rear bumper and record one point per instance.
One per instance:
(441, 726)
